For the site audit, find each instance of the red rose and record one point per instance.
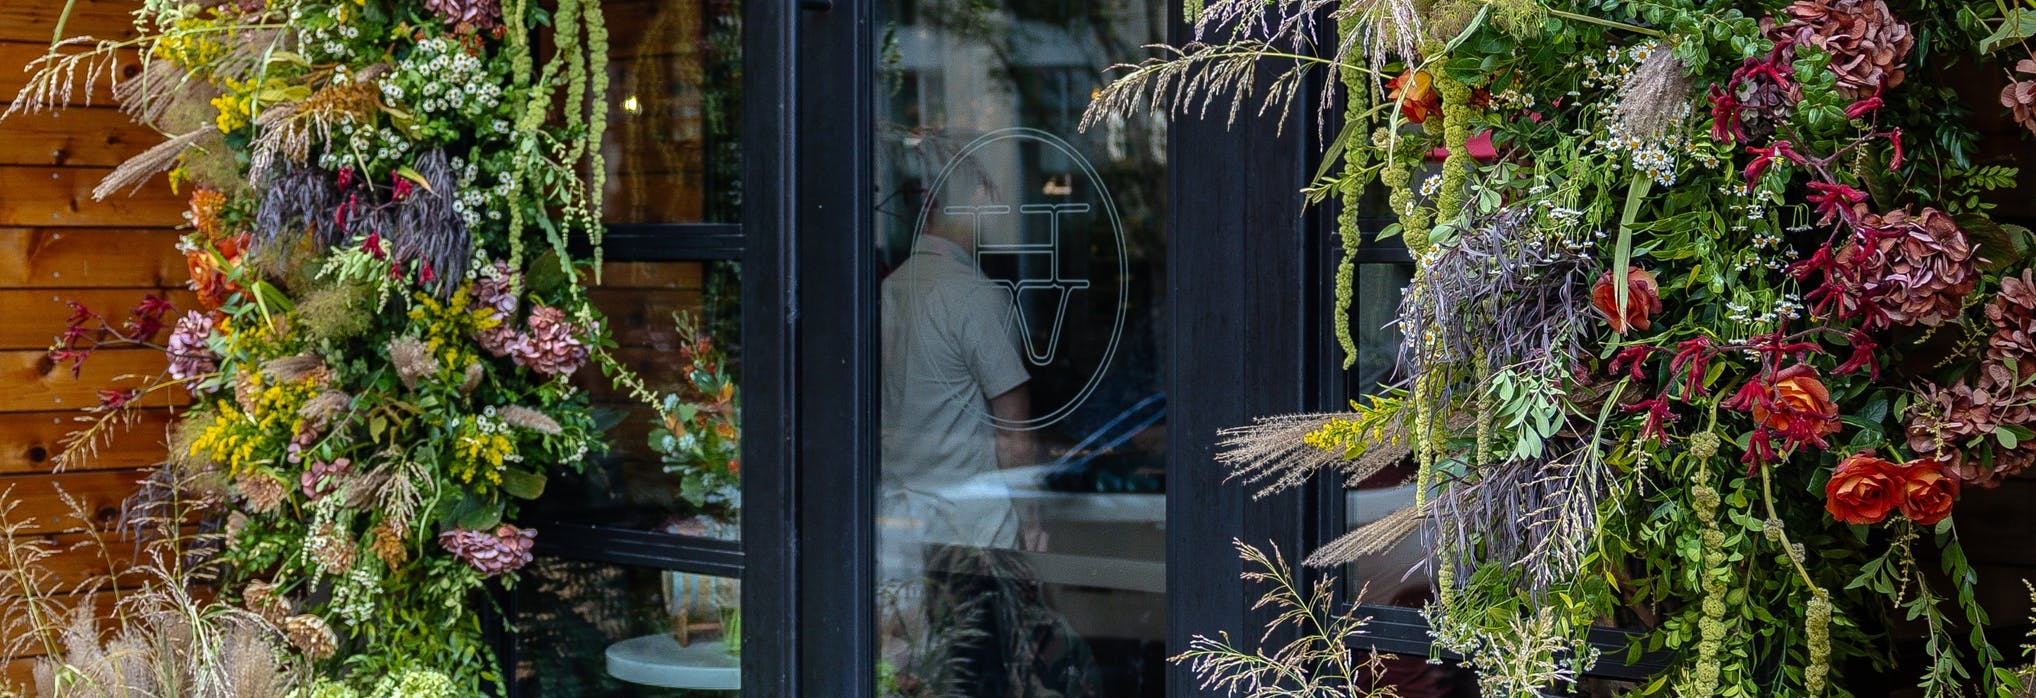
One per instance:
(1863, 489)
(1643, 300)
(1927, 493)
(1799, 406)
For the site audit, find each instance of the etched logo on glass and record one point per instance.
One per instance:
(1024, 246)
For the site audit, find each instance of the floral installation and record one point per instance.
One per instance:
(1711, 325)
(382, 198)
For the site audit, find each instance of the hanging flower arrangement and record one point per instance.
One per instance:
(1711, 346)
(382, 197)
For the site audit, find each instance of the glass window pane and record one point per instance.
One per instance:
(1021, 514)
(673, 153)
(591, 629)
(676, 326)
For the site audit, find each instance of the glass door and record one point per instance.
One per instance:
(1020, 507)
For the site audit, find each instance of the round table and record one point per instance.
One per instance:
(658, 660)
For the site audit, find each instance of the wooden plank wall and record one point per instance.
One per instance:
(57, 244)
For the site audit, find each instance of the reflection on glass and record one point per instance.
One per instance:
(672, 153)
(1021, 507)
(590, 629)
(675, 324)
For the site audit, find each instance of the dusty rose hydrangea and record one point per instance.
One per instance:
(550, 347)
(505, 549)
(497, 291)
(323, 478)
(482, 14)
(189, 356)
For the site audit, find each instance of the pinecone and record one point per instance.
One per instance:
(310, 635)
(262, 599)
(1865, 41)
(264, 492)
(1923, 269)
(2013, 314)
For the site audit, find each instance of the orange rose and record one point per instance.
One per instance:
(208, 276)
(1863, 489)
(1927, 494)
(1643, 300)
(1799, 406)
(1415, 91)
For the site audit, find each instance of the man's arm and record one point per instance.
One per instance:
(1014, 448)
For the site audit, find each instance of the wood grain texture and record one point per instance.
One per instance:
(16, 55)
(41, 195)
(30, 442)
(33, 22)
(671, 275)
(36, 316)
(90, 258)
(99, 136)
(641, 317)
(99, 495)
(35, 384)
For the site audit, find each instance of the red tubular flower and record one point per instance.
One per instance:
(115, 399)
(1763, 157)
(1895, 137)
(373, 246)
(1833, 200)
(1862, 354)
(1866, 105)
(1759, 450)
(1657, 415)
(1634, 358)
(1725, 116)
(147, 319)
(1695, 354)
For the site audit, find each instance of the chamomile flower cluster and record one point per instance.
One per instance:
(450, 90)
(1788, 307)
(327, 35)
(372, 147)
(480, 200)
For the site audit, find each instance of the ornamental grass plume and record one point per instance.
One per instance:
(412, 359)
(1655, 97)
(526, 418)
